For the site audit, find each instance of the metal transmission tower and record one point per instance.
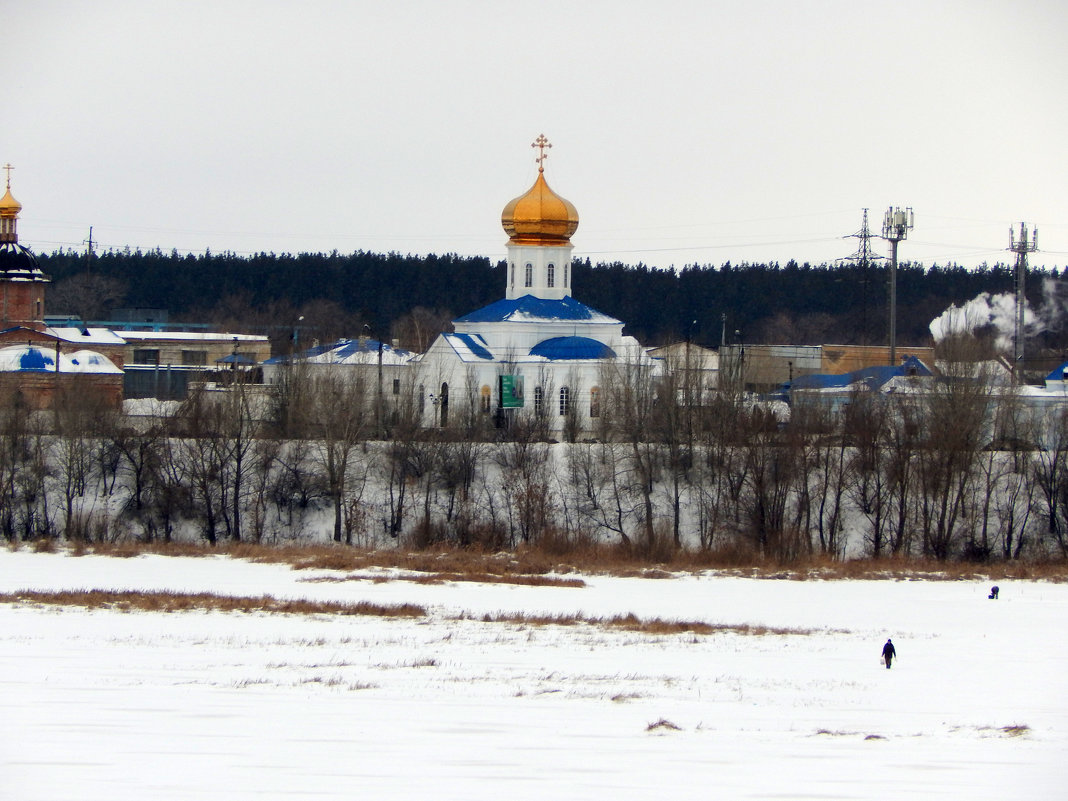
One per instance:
(863, 257)
(896, 225)
(1021, 247)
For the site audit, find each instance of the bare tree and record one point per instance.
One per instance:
(341, 411)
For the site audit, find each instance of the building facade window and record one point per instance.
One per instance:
(422, 400)
(565, 400)
(529, 275)
(550, 275)
(539, 401)
(194, 357)
(396, 386)
(511, 279)
(566, 276)
(484, 399)
(595, 402)
(146, 356)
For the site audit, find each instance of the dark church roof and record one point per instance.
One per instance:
(17, 261)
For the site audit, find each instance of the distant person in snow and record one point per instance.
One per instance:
(994, 592)
(888, 652)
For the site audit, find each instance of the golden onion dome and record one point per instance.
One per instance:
(9, 207)
(540, 217)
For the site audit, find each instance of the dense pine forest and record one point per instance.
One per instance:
(411, 297)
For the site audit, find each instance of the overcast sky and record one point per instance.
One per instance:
(684, 132)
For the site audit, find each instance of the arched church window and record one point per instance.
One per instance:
(550, 275)
(530, 275)
(565, 400)
(422, 400)
(595, 402)
(511, 280)
(566, 266)
(539, 401)
(443, 404)
(484, 399)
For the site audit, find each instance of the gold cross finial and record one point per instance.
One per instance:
(9, 168)
(541, 143)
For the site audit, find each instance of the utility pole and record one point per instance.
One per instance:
(1021, 247)
(896, 225)
(89, 252)
(863, 257)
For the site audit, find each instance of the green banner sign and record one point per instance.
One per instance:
(511, 391)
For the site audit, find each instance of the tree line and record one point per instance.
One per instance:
(962, 470)
(331, 295)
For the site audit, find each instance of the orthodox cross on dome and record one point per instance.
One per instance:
(541, 143)
(9, 168)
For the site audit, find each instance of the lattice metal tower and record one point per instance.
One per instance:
(1021, 247)
(863, 257)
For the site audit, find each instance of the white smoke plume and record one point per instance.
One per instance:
(979, 312)
(999, 311)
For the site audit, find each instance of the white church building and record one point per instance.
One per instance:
(537, 351)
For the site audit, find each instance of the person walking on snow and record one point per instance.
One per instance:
(888, 652)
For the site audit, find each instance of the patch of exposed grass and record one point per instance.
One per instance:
(481, 578)
(632, 622)
(133, 601)
(1017, 730)
(663, 724)
(595, 559)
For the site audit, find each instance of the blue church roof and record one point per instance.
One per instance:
(562, 348)
(475, 344)
(529, 307)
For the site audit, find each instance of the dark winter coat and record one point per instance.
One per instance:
(888, 650)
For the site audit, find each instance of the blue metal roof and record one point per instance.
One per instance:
(236, 358)
(874, 377)
(1059, 373)
(476, 344)
(562, 348)
(529, 306)
(36, 359)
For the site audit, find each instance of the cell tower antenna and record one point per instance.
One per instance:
(1021, 247)
(896, 225)
(863, 257)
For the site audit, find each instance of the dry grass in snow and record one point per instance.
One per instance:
(130, 600)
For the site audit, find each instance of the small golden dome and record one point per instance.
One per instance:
(9, 207)
(540, 217)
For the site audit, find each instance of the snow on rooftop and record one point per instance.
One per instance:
(531, 309)
(469, 347)
(34, 359)
(188, 336)
(356, 351)
(88, 336)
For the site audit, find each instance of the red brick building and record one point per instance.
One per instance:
(37, 363)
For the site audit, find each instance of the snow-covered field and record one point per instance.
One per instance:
(204, 705)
